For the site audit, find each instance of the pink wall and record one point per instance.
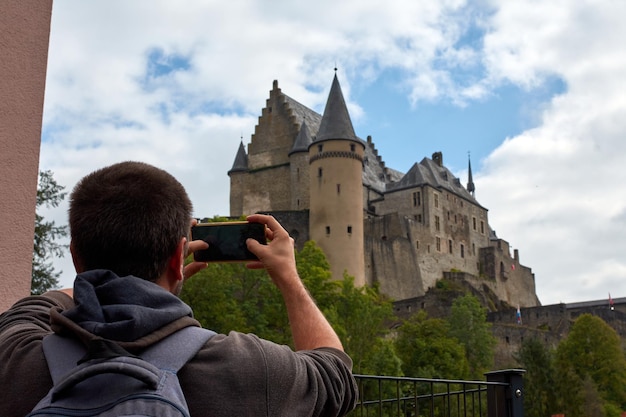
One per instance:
(24, 34)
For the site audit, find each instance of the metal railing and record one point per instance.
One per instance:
(384, 396)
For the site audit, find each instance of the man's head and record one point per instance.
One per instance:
(130, 218)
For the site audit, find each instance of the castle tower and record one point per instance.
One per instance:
(237, 176)
(336, 189)
(299, 166)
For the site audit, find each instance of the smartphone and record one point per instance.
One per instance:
(227, 241)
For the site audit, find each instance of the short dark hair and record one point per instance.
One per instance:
(128, 218)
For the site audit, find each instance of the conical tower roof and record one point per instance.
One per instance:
(241, 160)
(303, 140)
(336, 122)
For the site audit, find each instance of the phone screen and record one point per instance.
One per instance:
(227, 241)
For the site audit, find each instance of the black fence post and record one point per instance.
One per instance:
(505, 400)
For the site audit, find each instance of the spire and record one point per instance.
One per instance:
(470, 182)
(241, 160)
(303, 140)
(336, 123)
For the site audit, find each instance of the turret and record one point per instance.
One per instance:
(299, 169)
(336, 189)
(237, 175)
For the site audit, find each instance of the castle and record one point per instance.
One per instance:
(403, 231)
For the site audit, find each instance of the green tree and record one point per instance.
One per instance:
(591, 353)
(427, 351)
(44, 277)
(361, 321)
(539, 381)
(468, 324)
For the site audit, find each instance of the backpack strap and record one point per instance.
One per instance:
(171, 353)
(62, 355)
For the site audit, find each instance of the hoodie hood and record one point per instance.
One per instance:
(122, 308)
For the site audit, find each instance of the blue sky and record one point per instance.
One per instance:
(534, 91)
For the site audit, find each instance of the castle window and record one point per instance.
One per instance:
(349, 230)
(298, 203)
(327, 230)
(417, 199)
(437, 223)
(474, 222)
(474, 249)
(417, 244)
(338, 188)
(319, 172)
(419, 218)
(482, 227)
(438, 241)
(320, 148)
(450, 245)
(352, 147)
(436, 200)
(462, 251)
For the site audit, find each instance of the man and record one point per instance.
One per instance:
(129, 227)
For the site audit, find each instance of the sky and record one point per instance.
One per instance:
(532, 91)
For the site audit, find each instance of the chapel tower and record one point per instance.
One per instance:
(336, 189)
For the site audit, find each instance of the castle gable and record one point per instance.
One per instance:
(375, 174)
(277, 128)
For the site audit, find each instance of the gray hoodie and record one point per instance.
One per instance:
(235, 374)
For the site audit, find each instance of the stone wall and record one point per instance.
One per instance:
(548, 324)
(390, 257)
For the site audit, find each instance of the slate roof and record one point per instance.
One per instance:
(428, 172)
(303, 140)
(241, 160)
(304, 114)
(336, 122)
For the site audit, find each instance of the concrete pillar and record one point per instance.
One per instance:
(24, 36)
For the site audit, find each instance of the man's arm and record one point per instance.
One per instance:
(309, 327)
(24, 376)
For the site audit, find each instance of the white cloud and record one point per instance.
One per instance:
(555, 191)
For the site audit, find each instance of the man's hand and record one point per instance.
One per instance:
(193, 267)
(278, 256)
